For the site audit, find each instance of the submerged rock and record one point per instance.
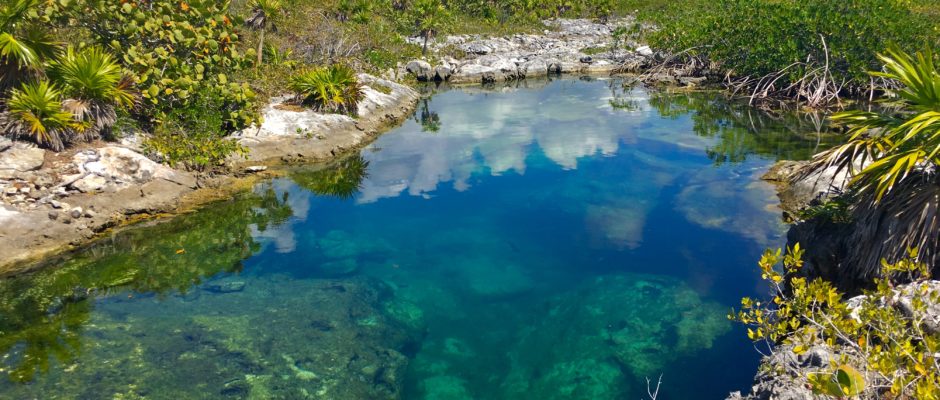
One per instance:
(610, 332)
(225, 287)
(310, 342)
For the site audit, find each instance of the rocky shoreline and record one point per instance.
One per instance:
(566, 46)
(54, 202)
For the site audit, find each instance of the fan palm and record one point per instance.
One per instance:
(332, 89)
(893, 159)
(262, 18)
(95, 84)
(35, 111)
(23, 45)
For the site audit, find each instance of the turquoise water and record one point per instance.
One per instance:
(564, 239)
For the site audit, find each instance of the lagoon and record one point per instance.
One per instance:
(552, 239)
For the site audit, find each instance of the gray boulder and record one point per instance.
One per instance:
(19, 158)
(478, 48)
(644, 51)
(443, 73)
(420, 69)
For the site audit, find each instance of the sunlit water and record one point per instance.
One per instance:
(557, 240)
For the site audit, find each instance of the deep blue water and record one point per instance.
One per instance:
(563, 239)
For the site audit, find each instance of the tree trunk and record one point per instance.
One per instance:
(424, 50)
(260, 48)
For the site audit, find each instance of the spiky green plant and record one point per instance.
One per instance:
(263, 15)
(95, 85)
(330, 89)
(35, 111)
(24, 45)
(893, 160)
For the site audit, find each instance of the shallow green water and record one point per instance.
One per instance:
(557, 240)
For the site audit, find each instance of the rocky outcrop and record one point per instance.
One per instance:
(290, 133)
(17, 159)
(566, 46)
(797, 191)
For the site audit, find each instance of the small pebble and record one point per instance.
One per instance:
(53, 215)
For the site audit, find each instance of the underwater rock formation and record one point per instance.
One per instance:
(330, 339)
(611, 331)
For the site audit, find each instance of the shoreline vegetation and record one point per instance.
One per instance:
(114, 111)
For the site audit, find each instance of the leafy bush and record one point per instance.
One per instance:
(175, 50)
(882, 344)
(831, 40)
(192, 137)
(36, 112)
(331, 89)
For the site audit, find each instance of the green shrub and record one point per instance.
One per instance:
(879, 338)
(755, 38)
(35, 111)
(193, 137)
(329, 89)
(175, 50)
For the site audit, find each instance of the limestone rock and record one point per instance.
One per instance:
(442, 73)
(5, 143)
(91, 183)
(18, 158)
(420, 69)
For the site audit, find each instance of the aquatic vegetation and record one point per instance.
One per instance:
(165, 259)
(502, 256)
(312, 344)
(642, 323)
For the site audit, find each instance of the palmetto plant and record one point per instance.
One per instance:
(893, 159)
(331, 89)
(95, 85)
(23, 45)
(262, 18)
(34, 110)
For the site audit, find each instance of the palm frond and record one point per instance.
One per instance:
(331, 89)
(37, 113)
(906, 219)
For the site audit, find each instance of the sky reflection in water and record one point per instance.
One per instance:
(561, 239)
